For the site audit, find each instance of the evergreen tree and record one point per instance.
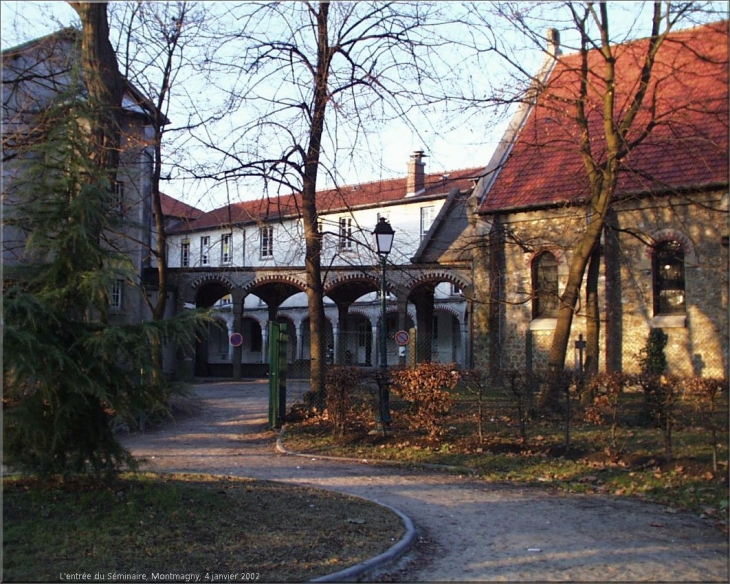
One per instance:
(69, 372)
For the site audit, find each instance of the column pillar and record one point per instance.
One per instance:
(300, 340)
(264, 342)
(342, 337)
(375, 329)
(401, 299)
(237, 298)
(423, 299)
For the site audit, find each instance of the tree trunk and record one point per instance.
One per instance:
(593, 319)
(550, 394)
(312, 237)
(593, 323)
(104, 84)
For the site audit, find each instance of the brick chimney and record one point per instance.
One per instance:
(415, 183)
(553, 42)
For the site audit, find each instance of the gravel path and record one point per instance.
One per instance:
(468, 530)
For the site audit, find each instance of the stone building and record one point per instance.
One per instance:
(35, 75)
(664, 250)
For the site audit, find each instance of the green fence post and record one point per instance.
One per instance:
(277, 373)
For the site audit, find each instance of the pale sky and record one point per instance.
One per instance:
(448, 146)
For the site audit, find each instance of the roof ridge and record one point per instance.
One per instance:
(344, 188)
(69, 31)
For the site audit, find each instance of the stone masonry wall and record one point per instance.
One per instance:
(698, 346)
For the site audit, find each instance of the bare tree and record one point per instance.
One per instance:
(308, 75)
(628, 114)
(157, 45)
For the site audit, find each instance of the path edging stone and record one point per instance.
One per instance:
(389, 556)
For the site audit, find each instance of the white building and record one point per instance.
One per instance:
(263, 240)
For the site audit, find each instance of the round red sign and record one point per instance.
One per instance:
(236, 339)
(401, 338)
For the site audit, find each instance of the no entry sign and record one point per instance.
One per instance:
(401, 338)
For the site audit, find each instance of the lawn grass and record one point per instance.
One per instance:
(143, 524)
(634, 464)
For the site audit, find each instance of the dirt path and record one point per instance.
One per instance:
(468, 530)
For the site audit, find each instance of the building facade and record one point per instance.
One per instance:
(663, 257)
(37, 74)
(247, 260)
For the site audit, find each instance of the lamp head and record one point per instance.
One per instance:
(383, 236)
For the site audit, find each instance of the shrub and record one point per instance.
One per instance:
(653, 363)
(426, 388)
(476, 383)
(521, 392)
(652, 359)
(704, 393)
(606, 389)
(340, 383)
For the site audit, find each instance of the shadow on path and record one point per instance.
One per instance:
(475, 531)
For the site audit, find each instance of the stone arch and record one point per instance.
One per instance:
(558, 254)
(662, 235)
(345, 279)
(213, 279)
(348, 288)
(436, 277)
(360, 312)
(422, 295)
(451, 310)
(275, 288)
(285, 279)
(447, 343)
(208, 290)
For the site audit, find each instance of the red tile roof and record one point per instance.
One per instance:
(688, 147)
(172, 207)
(334, 200)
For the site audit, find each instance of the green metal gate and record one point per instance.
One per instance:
(277, 373)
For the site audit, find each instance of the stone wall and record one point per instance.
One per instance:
(507, 337)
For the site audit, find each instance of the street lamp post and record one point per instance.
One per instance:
(383, 235)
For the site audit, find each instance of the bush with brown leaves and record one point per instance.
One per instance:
(340, 383)
(426, 388)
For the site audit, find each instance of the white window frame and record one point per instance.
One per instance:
(226, 248)
(243, 247)
(118, 188)
(266, 242)
(345, 242)
(428, 214)
(185, 254)
(116, 295)
(205, 250)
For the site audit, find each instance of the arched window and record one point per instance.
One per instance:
(668, 278)
(544, 286)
